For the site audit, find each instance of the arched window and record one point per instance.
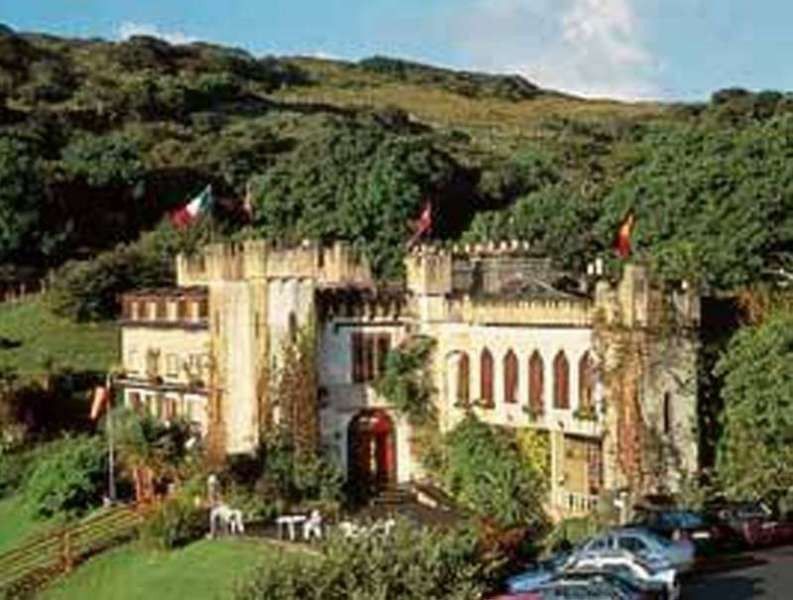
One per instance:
(486, 378)
(292, 327)
(586, 381)
(510, 378)
(464, 380)
(668, 417)
(536, 382)
(561, 381)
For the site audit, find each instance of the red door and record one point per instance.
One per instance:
(372, 451)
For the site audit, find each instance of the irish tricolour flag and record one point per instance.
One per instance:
(195, 208)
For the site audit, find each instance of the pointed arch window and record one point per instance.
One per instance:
(464, 380)
(510, 378)
(536, 382)
(486, 378)
(586, 381)
(667, 413)
(561, 381)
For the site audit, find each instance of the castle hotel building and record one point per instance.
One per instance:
(605, 368)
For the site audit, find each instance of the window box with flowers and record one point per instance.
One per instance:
(535, 415)
(586, 413)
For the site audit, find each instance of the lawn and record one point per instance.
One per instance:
(33, 340)
(208, 569)
(16, 524)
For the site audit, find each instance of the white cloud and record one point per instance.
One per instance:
(127, 29)
(587, 47)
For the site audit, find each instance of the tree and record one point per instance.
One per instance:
(295, 391)
(103, 161)
(69, 479)
(710, 203)
(485, 469)
(21, 197)
(353, 181)
(555, 220)
(755, 453)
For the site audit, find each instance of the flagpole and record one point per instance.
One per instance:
(111, 476)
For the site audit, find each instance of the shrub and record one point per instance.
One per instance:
(410, 564)
(297, 478)
(485, 470)
(176, 522)
(70, 479)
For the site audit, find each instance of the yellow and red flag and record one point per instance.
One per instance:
(622, 243)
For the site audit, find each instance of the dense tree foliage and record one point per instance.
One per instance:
(411, 563)
(88, 160)
(713, 204)
(89, 289)
(21, 195)
(485, 469)
(70, 479)
(355, 182)
(755, 456)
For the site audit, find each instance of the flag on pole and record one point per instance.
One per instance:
(192, 210)
(100, 402)
(424, 223)
(247, 203)
(622, 243)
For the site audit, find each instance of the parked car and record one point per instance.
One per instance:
(654, 580)
(592, 586)
(678, 554)
(543, 572)
(708, 535)
(625, 584)
(753, 523)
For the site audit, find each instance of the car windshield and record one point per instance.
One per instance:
(652, 537)
(682, 519)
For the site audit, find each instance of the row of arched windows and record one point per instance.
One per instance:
(536, 380)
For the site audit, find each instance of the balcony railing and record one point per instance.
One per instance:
(575, 503)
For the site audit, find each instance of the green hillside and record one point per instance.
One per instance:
(98, 140)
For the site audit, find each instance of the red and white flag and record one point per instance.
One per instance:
(100, 403)
(424, 223)
(192, 210)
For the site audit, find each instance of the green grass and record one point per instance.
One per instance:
(17, 524)
(208, 569)
(34, 339)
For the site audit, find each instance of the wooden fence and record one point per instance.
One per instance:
(27, 567)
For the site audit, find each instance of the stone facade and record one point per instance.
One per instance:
(602, 367)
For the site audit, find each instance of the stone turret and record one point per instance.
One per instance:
(429, 271)
(258, 259)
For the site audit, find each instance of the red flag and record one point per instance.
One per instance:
(100, 402)
(622, 243)
(424, 223)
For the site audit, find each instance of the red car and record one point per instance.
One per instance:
(755, 525)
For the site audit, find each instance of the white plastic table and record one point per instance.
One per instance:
(290, 521)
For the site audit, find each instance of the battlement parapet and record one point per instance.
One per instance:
(573, 312)
(259, 259)
(501, 248)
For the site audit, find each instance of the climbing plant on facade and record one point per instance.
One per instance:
(295, 390)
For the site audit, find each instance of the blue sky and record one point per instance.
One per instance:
(664, 49)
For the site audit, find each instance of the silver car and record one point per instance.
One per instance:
(658, 576)
(679, 554)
